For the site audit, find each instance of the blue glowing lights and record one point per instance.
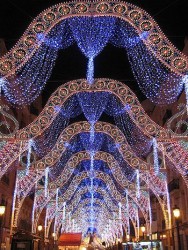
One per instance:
(92, 34)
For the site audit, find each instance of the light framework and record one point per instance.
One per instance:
(25, 177)
(135, 112)
(90, 25)
(89, 175)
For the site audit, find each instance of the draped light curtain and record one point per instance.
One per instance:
(157, 82)
(92, 34)
(93, 105)
(26, 85)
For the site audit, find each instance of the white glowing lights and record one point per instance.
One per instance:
(60, 177)
(185, 81)
(2, 82)
(155, 157)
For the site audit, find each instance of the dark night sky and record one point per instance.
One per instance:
(16, 15)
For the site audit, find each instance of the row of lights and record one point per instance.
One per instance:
(40, 227)
(176, 213)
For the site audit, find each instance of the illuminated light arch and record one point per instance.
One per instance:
(34, 178)
(87, 201)
(119, 176)
(162, 199)
(105, 213)
(77, 158)
(98, 201)
(155, 184)
(52, 187)
(108, 128)
(142, 202)
(46, 117)
(69, 130)
(41, 204)
(64, 92)
(52, 214)
(100, 127)
(73, 186)
(176, 155)
(10, 153)
(83, 190)
(113, 164)
(107, 199)
(74, 201)
(133, 217)
(58, 98)
(143, 209)
(79, 219)
(125, 95)
(135, 16)
(37, 210)
(51, 158)
(82, 203)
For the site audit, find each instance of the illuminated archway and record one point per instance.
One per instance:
(125, 95)
(136, 17)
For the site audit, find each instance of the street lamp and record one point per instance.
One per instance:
(143, 229)
(54, 238)
(176, 213)
(2, 212)
(39, 228)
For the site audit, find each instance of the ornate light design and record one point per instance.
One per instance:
(31, 64)
(61, 175)
(45, 21)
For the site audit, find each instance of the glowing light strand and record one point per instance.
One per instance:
(155, 157)
(150, 216)
(185, 81)
(127, 211)
(30, 144)
(46, 182)
(64, 210)
(33, 211)
(2, 82)
(92, 153)
(138, 183)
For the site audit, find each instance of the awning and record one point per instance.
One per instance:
(70, 239)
